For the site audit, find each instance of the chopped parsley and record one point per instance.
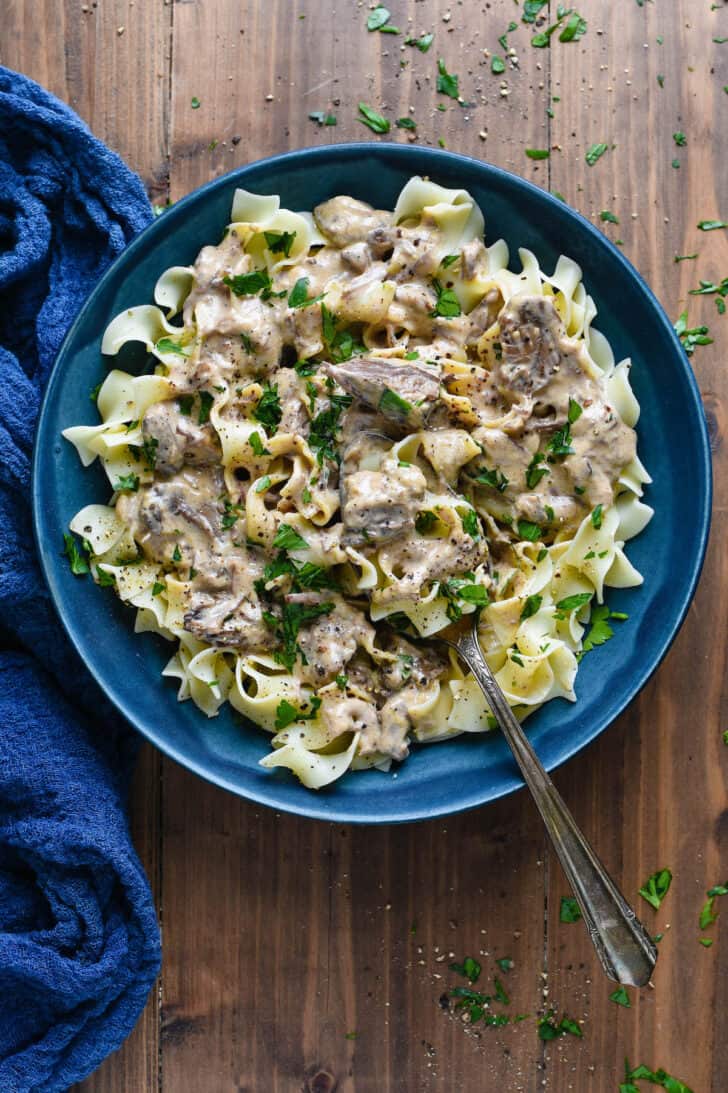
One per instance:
(710, 288)
(447, 82)
(94, 392)
(600, 630)
(372, 119)
(321, 117)
(106, 580)
(596, 517)
(560, 443)
(286, 714)
(268, 411)
(177, 554)
(392, 403)
(77, 562)
(496, 479)
(621, 997)
(531, 606)
(425, 521)
(341, 681)
(575, 411)
(287, 538)
(656, 887)
(257, 445)
(185, 404)
(691, 337)
(324, 428)
(655, 1077)
(423, 43)
(550, 1029)
(287, 625)
(534, 472)
(166, 345)
(448, 305)
(280, 242)
(158, 587)
(467, 591)
(148, 451)
(299, 297)
(206, 401)
(573, 603)
(505, 963)
(195, 103)
(406, 123)
(712, 225)
(378, 18)
(264, 484)
(471, 525)
(470, 969)
(684, 257)
(531, 9)
(570, 911)
(529, 531)
(127, 482)
(497, 65)
(680, 139)
(594, 153)
(574, 29)
(538, 153)
(708, 915)
(248, 284)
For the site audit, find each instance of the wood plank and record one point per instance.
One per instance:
(118, 81)
(650, 790)
(301, 932)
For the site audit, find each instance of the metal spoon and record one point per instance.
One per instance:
(624, 947)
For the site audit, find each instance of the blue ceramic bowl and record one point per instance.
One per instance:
(468, 771)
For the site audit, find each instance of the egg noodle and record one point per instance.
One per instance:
(362, 424)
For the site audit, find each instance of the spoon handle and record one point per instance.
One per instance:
(624, 947)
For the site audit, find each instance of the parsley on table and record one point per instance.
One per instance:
(406, 123)
(280, 242)
(287, 625)
(497, 65)
(372, 119)
(496, 479)
(655, 1077)
(692, 337)
(574, 29)
(248, 284)
(423, 43)
(684, 257)
(127, 482)
(550, 1029)
(268, 411)
(710, 288)
(470, 969)
(500, 993)
(570, 911)
(621, 997)
(531, 606)
(286, 713)
(595, 152)
(377, 18)
(708, 915)
(531, 9)
(656, 887)
(77, 562)
(195, 103)
(538, 153)
(712, 225)
(447, 82)
(505, 963)
(608, 217)
(448, 305)
(680, 139)
(287, 538)
(321, 117)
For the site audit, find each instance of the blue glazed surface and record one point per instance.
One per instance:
(673, 443)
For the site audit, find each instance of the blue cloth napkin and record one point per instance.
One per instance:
(79, 943)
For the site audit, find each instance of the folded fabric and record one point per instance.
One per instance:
(79, 943)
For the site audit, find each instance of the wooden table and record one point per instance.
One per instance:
(284, 938)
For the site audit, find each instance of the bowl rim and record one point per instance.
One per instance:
(314, 806)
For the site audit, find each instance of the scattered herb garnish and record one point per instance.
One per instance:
(529, 531)
(570, 911)
(559, 444)
(656, 887)
(572, 603)
(471, 525)
(127, 482)
(176, 554)
(470, 969)
(287, 625)
(531, 9)
(596, 517)
(298, 296)
(372, 119)
(691, 337)
(206, 401)
(621, 997)
(549, 1029)
(447, 82)
(711, 225)
(406, 123)
(391, 402)
(286, 714)
(324, 428)
(76, 560)
(166, 345)
(268, 411)
(321, 117)
(531, 605)
(538, 153)
(287, 538)
(594, 153)
(280, 242)
(680, 139)
(496, 479)
(684, 257)
(534, 472)
(448, 305)
(423, 43)
(425, 521)
(497, 65)
(608, 217)
(195, 103)
(257, 445)
(378, 18)
(248, 284)
(655, 1077)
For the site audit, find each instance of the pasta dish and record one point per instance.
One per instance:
(362, 426)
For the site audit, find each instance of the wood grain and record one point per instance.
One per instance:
(283, 936)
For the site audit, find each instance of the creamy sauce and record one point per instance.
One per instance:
(511, 415)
